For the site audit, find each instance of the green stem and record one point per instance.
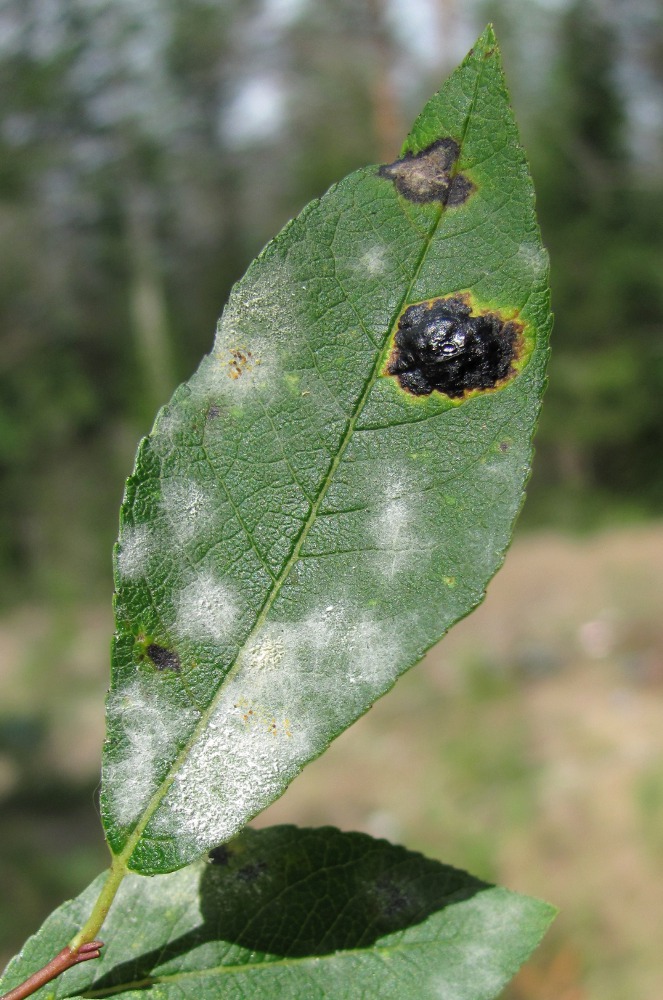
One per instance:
(100, 910)
(84, 945)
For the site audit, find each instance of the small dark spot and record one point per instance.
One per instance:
(504, 446)
(213, 412)
(460, 190)
(249, 873)
(440, 345)
(429, 175)
(163, 659)
(241, 360)
(394, 900)
(220, 855)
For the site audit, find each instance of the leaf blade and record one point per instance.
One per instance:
(293, 504)
(301, 913)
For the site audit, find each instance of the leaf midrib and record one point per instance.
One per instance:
(124, 856)
(138, 984)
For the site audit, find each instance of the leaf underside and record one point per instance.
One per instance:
(288, 913)
(299, 529)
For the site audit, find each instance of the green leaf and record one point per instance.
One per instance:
(299, 913)
(301, 526)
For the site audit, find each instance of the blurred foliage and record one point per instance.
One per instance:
(601, 207)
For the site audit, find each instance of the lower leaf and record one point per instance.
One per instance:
(296, 913)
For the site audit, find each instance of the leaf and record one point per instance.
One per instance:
(306, 518)
(299, 913)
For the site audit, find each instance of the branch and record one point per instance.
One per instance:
(62, 961)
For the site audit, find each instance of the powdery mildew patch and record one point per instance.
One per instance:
(134, 552)
(151, 726)
(479, 954)
(248, 336)
(268, 653)
(188, 508)
(373, 261)
(296, 686)
(239, 764)
(396, 529)
(224, 372)
(169, 426)
(206, 608)
(487, 976)
(534, 258)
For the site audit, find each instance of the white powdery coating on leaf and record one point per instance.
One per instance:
(187, 507)
(373, 261)
(169, 425)
(480, 965)
(151, 725)
(395, 529)
(235, 368)
(134, 552)
(244, 356)
(246, 755)
(206, 609)
(297, 684)
(267, 653)
(490, 929)
(534, 258)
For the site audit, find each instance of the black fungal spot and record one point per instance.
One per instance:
(220, 855)
(440, 345)
(460, 190)
(395, 902)
(251, 872)
(213, 412)
(163, 659)
(429, 175)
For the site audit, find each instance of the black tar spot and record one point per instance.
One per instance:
(460, 190)
(251, 872)
(429, 175)
(163, 659)
(220, 855)
(441, 346)
(395, 901)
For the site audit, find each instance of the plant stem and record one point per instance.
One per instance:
(84, 945)
(100, 910)
(63, 960)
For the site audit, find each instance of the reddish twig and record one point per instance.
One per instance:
(63, 961)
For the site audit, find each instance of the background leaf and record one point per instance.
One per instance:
(299, 530)
(300, 913)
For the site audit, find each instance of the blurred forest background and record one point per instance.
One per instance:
(148, 149)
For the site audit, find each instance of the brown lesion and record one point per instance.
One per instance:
(257, 714)
(241, 360)
(430, 175)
